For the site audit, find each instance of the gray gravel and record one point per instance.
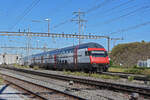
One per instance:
(83, 91)
(119, 81)
(46, 93)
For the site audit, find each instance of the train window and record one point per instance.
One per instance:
(106, 53)
(99, 53)
(65, 61)
(87, 53)
(17, 58)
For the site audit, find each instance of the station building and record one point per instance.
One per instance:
(9, 58)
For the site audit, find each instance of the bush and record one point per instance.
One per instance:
(130, 53)
(111, 63)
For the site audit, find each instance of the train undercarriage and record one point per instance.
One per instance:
(74, 67)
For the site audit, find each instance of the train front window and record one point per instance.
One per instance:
(98, 53)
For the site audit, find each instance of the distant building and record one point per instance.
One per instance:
(142, 63)
(9, 58)
(148, 62)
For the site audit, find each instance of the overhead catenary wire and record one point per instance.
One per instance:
(116, 7)
(88, 11)
(127, 14)
(95, 8)
(122, 4)
(98, 6)
(130, 28)
(131, 13)
(25, 12)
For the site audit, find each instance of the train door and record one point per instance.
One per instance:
(55, 61)
(42, 59)
(33, 60)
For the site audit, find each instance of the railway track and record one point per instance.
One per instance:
(127, 75)
(113, 86)
(81, 90)
(40, 91)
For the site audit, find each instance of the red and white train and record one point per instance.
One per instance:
(84, 57)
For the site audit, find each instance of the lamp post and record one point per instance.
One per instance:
(48, 20)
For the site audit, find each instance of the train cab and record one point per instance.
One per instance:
(99, 58)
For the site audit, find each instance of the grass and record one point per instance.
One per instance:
(75, 73)
(91, 75)
(105, 76)
(116, 69)
(19, 66)
(130, 78)
(1, 80)
(133, 70)
(36, 67)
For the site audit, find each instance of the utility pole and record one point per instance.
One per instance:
(44, 47)
(115, 39)
(80, 22)
(108, 41)
(28, 44)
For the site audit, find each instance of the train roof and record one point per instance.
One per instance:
(87, 45)
(81, 46)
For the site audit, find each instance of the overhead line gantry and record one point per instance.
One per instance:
(37, 34)
(56, 35)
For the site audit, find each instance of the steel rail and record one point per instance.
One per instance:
(126, 75)
(113, 86)
(43, 98)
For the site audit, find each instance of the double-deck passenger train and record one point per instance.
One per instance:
(84, 57)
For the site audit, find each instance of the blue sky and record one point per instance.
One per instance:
(103, 17)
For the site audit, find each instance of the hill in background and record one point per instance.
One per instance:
(129, 54)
